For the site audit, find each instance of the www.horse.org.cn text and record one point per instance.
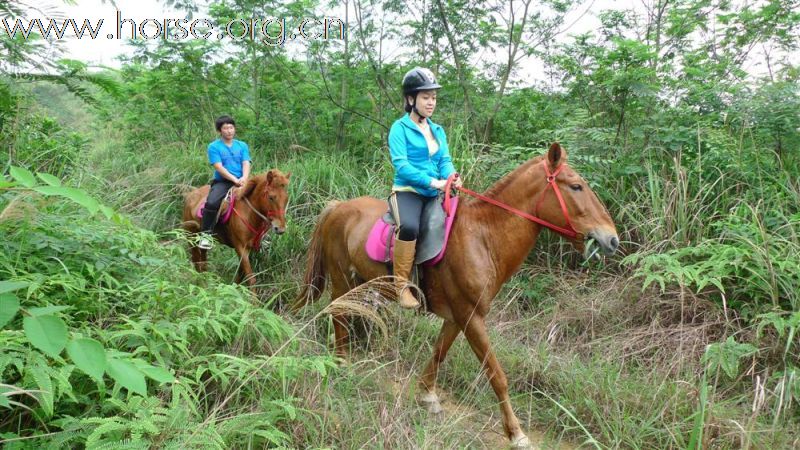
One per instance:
(270, 31)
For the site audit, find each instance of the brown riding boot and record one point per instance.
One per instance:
(403, 262)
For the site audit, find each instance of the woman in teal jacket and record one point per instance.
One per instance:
(422, 164)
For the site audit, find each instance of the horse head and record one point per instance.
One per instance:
(269, 196)
(572, 204)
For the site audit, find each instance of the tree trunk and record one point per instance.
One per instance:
(513, 46)
(462, 81)
(340, 128)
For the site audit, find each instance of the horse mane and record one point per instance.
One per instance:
(252, 183)
(502, 183)
(256, 179)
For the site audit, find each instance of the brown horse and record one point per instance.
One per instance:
(487, 246)
(259, 204)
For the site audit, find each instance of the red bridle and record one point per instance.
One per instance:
(258, 234)
(569, 232)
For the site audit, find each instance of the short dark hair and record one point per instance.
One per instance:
(222, 120)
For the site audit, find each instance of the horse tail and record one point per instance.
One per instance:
(314, 280)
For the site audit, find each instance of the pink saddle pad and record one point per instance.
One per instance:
(380, 235)
(225, 217)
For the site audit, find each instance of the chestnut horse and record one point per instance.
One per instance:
(259, 204)
(486, 247)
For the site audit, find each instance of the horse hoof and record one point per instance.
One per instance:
(431, 402)
(521, 442)
(343, 363)
(435, 408)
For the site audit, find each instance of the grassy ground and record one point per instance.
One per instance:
(596, 365)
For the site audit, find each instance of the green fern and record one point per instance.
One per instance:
(105, 426)
(37, 368)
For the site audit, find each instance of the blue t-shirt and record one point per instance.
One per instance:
(231, 157)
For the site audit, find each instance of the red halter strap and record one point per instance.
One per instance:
(569, 232)
(551, 182)
(258, 234)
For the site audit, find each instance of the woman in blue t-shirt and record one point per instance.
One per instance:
(422, 164)
(231, 161)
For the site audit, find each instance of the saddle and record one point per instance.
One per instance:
(226, 206)
(435, 227)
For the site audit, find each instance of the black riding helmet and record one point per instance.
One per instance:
(419, 79)
(415, 80)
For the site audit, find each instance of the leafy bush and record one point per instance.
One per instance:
(111, 337)
(753, 267)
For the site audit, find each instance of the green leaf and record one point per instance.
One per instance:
(47, 333)
(156, 373)
(109, 425)
(49, 179)
(76, 195)
(287, 407)
(108, 212)
(9, 305)
(24, 176)
(6, 184)
(45, 384)
(273, 435)
(10, 286)
(89, 355)
(716, 282)
(126, 374)
(46, 310)
(4, 401)
(159, 374)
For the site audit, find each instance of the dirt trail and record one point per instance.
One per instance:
(487, 427)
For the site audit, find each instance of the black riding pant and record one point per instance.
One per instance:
(215, 196)
(408, 207)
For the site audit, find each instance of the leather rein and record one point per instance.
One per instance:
(258, 234)
(569, 232)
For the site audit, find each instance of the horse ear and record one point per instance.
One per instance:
(556, 155)
(270, 176)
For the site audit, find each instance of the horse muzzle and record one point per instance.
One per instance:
(606, 241)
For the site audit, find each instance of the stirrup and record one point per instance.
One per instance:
(205, 243)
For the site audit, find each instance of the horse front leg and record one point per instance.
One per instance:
(199, 258)
(475, 331)
(239, 272)
(245, 270)
(447, 335)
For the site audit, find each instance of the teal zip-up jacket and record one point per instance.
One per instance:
(413, 166)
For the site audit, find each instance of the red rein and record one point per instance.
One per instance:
(569, 232)
(258, 235)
